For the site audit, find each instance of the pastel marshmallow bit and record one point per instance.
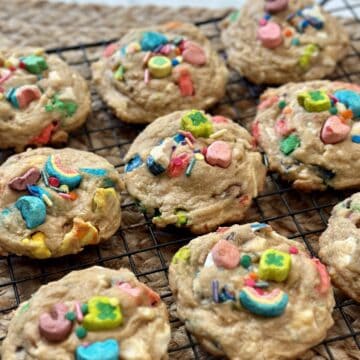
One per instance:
(160, 66)
(152, 297)
(30, 177)
(351, 99)
(355, 133)
(274, 265)
(32, 209)
(162, 152)
(66, 175)
(182, 218)
(270, 304)
(193, 53)
(197, 123)
(104, 350)
(178, 164)
(82, 233)
(182, 255)
(270, 35)
(133, 163)
(46, 134)
(103, 314)
(219, 119)
(153, 166)
(130, 290)
(334, 130)
(104, 200)
(186, 85)
(53, 325)
(314, 101)
(324, 283)
(282, 127)
(219, 153)
(225, 254)
(27, 94)
(275, 6)
(34, 64)
(37, 246)
(109, 50)
(152, 40)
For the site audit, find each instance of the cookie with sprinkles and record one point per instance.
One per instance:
(340, 246)
(248, 293)
(55, 202)
(154, 71)
(91, 314)
(194, 170)
(310, 133)
(41, 99)
(278, 41)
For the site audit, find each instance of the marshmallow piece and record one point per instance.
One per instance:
(270, 35)
(193, 54)
(219, 153)
(225, 254)
(334, 130)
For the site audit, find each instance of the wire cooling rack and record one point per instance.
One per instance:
(146, 250)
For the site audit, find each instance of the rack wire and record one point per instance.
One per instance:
(301, 217)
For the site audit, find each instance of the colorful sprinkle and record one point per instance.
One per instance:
(293, 250)
(282, 104)
(215, 290)
(190, 166)
(182, 218)
(295, 41)
(80, 332)
(258, 226)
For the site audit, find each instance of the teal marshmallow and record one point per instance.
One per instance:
(34, 64)
(94, 171)
(100, 350)
(151, 40)
(32, 209)
(133, 163)
(351, 99)
(11, 97)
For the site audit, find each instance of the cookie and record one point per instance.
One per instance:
(248, 293)
(41, 99)
(278, 41)
(340, 246)
(311, 133)
(90, 314)
(154, 71)
(194, 170)
(54, 202)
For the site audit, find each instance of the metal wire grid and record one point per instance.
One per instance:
(301, 217)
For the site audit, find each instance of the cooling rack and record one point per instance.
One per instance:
(138, 245)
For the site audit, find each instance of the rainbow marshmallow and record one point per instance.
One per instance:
(269, 305)
(66, 176)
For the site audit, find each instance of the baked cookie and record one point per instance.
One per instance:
(194, 170)
(311, 133)
(41, 99)
(54, 202)
(340, 246)
(278, 41)
(90, 314)
(154, 71)
(248, 293)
